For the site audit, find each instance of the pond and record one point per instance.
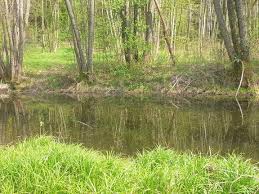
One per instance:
(129, 125)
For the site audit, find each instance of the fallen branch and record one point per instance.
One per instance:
(165, 33)
(241, 110)
(84, 124)
(241, 80)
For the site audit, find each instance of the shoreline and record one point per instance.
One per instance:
(123, 92)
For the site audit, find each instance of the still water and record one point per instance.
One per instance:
(129, 125)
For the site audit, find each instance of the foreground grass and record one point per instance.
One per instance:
(43, 165)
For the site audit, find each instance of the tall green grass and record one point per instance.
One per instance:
(43, 165)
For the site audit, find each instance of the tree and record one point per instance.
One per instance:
(76, 39)
(149, 27)
(236, 41)
(90, 35)
(125, 31)
(165, 33)
(14, 19)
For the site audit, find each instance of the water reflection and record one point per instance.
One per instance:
(126, 125)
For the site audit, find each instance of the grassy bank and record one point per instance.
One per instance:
(44, 166)
(56, 72)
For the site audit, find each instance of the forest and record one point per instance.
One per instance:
(153, 46)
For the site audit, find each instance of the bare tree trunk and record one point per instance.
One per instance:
(149, 29)
(27, 12)
(245, 50)
(233, 26)
(156, 36)
(90, 35)
(125, 33)
(77, 40)
(165, 34)
(43, 35)
(189, 26)
(224, 31)
(236, 43)
(14, 22)
(135, 30)
(245, 54)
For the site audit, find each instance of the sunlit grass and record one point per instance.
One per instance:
(44, 166)
(36, 60)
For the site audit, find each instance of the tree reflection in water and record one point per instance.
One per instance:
(128, 125)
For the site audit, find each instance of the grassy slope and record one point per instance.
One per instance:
(44, 166)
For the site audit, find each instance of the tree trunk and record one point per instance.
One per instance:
(245, 52)
(233, 26)
(90, 35)
(224, 31)
(165, 34)
(43, 35)
(14, 22)
(149, 29)
(77, 40)
(125, 33)
(236, 43)
(135, 31)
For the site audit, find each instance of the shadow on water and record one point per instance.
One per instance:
(128, 125)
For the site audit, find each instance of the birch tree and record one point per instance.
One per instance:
(14, 19)
(91, 15)
(81, 62)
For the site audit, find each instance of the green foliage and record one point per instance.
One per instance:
(138, 86)
(44, 166)
(121, 71)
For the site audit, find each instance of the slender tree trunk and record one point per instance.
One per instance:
(245, 50)
(90, 35)
(135, 31)
(125, 33)
(14, 22)
(233, 26)
(224, 31)
(245, 54)
(189, 26)
(43, 35)
(156, 36)
(236, 42)
(165, 33)
(149, 29)
(77, 40)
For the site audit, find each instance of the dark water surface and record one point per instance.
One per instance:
(129, 125)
